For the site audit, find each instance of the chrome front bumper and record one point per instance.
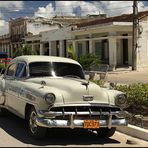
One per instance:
(49, 121)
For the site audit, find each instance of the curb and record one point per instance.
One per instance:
(134, 131)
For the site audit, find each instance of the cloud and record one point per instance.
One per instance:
(47, 11)
(114, 8)
(12, 5)
(83, 8)
(68, 8)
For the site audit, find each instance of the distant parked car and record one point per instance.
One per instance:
(52, 92)
(4, 60)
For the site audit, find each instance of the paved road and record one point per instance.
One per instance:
(13, 133)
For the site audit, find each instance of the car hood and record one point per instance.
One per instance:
(74, 90)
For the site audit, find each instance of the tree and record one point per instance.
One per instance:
(26, 50)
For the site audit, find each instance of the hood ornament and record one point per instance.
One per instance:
(86, 84)
(43, 83)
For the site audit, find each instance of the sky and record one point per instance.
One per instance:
(49, 9)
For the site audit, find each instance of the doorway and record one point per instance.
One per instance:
(125, 50)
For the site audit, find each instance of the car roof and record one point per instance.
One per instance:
(39, 58)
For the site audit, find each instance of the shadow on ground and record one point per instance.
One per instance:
(17, 128)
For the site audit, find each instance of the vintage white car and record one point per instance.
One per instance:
(52, 92)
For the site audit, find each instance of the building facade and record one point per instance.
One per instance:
(54, 40)
(24, 27)
(5, 44)
(109, 38)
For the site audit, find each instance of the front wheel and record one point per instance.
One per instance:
(106, 132)
(34, 130)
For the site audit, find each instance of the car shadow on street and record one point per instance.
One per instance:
(16, 127)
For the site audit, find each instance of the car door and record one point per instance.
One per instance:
(9, 89)
(14, 87)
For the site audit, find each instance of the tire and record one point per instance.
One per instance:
(35, 131)
(106, 132)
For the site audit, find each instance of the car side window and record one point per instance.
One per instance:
(11, 70)
(21, 70)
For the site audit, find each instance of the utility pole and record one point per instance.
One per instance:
(135, 35)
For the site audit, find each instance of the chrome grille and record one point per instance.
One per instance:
(86, 108)
(86, 112)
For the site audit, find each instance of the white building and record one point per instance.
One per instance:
(54, 40)
(108, 38)
(111, 40)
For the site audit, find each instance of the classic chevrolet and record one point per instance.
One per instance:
(52, 92)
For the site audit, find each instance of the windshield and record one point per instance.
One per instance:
(55, 69)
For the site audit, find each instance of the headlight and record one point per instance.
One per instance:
(121, 100)
(50, 98)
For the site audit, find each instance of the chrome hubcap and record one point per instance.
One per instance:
(32, 122)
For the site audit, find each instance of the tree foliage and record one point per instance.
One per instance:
(26, 50)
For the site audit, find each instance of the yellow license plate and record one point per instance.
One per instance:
(91, 124)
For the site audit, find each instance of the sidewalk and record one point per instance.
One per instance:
(134, 131)
(126, 76)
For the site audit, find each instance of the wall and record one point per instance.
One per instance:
(37, 27)
(142, 58)
(56, 34)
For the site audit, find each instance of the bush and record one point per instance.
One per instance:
(99, 82)
(137, 97)
(137, 93)
(88, 60)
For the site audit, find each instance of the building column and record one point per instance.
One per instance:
(2, 47)
(6, 48)
(33, 47)
(50, 48)
(61, 48)
(74, 46)
(113, 52)
(41, 49)
(90, 46)
(11, 50)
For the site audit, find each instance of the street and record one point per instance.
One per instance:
(128, 77)
(13, 133)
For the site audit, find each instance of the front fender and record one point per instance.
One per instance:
(34, 94)
(112, 95)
